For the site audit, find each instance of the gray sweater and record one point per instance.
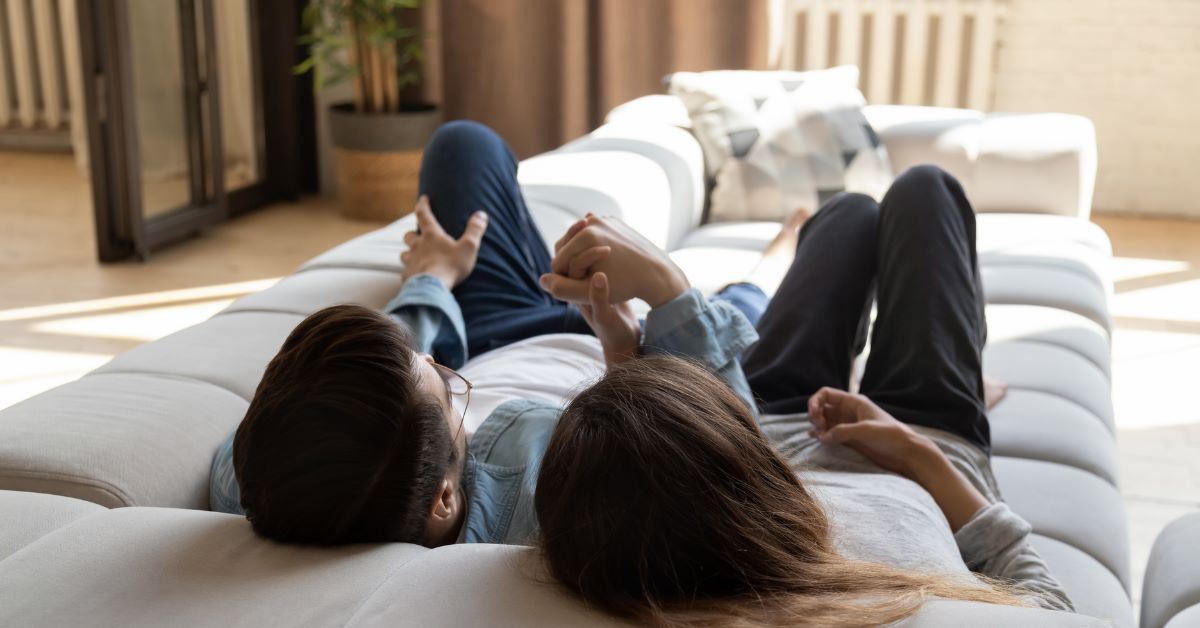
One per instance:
(882, 517)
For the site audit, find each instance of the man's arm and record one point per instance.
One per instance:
(427, 308)
(433, 264)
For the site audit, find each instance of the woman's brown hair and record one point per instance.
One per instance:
(659, 499)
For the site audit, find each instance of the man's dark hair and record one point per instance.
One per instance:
(340, 444)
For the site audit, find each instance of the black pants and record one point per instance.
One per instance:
(914, 254)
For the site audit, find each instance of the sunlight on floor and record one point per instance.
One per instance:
(1125, 268)
(1156, 344)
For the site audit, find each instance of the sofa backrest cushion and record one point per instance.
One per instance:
(155, 566)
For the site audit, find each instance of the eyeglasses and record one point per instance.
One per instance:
(456, 386)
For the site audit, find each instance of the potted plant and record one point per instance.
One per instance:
(377, 138)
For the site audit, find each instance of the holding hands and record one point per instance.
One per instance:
(600, 264)
(636, 267)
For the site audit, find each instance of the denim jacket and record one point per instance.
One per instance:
(505, 453)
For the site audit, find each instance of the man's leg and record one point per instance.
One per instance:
(925, 365)
(817, 322)
(467, 168)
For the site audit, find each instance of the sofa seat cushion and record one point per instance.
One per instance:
(26, 517)
(228, 350)
(1043, 281)
(119, 439)
(1071, 506)
(1052, 370)
(310, 290)
(1033, 424)
(1051, 327)
(135, 566)
(1094, 590)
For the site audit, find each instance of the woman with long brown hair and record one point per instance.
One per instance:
(757, 491)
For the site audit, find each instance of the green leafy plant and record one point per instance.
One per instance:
(368, 41)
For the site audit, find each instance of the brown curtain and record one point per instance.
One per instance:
(542, 72)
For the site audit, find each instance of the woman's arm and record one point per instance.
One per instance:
(993, 540)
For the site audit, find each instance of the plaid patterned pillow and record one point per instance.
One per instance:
(776, 141)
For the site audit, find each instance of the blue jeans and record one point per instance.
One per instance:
(467, 168)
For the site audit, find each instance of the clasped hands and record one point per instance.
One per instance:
(600, 264)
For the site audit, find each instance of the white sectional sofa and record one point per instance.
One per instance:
(103, 481)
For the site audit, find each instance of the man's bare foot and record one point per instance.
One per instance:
(993, 391)
(778, 256)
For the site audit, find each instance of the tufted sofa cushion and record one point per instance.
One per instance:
(134, 567)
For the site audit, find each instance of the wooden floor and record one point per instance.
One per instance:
(62, 314)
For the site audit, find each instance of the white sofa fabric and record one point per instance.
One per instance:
(1171, 592)
(141, 431)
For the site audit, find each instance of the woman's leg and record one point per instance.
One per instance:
(817, 322)
(925, 365)
(466, 168)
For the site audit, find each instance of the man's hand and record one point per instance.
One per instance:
(843, 418)
(616, 325)
(636, 269)
(434, 252)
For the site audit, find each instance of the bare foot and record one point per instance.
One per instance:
(993, 391)
(778, 256)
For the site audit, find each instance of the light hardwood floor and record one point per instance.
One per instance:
(62, 314)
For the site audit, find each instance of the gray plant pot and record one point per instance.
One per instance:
(377, 157)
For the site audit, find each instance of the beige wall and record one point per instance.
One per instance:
(1133, 67)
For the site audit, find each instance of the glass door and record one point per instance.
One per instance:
(176, 92)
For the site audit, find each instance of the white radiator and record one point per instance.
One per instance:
(912, 52)
(40, 82)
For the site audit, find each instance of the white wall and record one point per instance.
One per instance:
(1133, 67)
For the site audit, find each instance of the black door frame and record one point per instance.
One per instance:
(286, 121)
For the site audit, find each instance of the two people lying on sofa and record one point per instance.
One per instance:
(718, 466)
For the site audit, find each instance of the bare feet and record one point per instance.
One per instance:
(993, 391)
(778, 256)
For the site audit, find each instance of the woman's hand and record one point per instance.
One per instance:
(856, 422)
(615, 325)
(843, 418)
(434, 252)
(636, 268)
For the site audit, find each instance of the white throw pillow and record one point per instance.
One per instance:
(777, 141)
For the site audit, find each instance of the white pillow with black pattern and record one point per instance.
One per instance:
(777, 141)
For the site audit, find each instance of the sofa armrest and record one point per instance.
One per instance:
(1171, 592)
(1027, 163)
(561, 187)
(672, 148)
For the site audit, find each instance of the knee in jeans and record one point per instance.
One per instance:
(463, 135)
(917, 188)
(921, 178)
(852, 203)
